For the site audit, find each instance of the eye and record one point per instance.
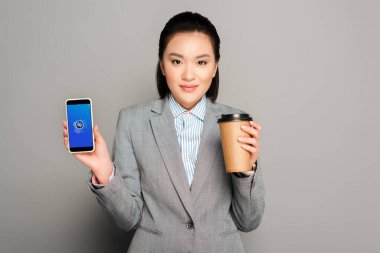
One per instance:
(202, 62)
(176, 62)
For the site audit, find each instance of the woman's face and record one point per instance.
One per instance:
(189, 65)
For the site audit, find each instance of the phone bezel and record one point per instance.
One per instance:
(92, 126)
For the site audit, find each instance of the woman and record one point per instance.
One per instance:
(167, 177)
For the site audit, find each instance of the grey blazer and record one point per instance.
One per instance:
(150, 192)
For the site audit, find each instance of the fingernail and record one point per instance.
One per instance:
(240, 138)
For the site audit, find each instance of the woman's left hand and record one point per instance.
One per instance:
(251, 144)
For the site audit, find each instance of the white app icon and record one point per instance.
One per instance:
(78, 126)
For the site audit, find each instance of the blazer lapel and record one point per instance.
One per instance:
(165, 134)
(207, 150)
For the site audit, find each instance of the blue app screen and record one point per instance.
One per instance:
(79, 125)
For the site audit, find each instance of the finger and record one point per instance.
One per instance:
(66, 142)
(98, 137)
(255, 125)
(65, 134)
(65, 124)
(251, 149)
(248, 140)
(250, 130)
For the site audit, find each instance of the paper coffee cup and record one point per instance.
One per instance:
(236, 158)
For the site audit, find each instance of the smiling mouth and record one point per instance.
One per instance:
(188, 87)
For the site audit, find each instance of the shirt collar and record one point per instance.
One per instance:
(199, 110)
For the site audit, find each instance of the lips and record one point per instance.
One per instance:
(188, 87)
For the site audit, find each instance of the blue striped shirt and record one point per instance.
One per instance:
(189, 126)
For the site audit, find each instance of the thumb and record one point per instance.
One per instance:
(97, 135)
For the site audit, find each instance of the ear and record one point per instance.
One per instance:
(215, 69)
(162, 68)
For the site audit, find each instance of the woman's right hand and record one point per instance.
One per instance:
(98, 161)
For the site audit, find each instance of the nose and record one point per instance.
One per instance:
(188, 74)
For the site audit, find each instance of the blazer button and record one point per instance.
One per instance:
(189, 225)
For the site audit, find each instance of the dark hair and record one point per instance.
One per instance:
(187, 22)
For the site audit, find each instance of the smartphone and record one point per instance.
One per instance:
(79, 125)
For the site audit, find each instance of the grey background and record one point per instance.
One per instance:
(308, 71)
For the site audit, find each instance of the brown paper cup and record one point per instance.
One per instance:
(236, 158)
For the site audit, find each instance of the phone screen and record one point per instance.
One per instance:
(79, 123)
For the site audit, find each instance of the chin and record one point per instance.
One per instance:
(190, 102)
(187, 99)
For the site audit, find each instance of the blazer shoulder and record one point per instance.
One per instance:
(226, 109)
(135, 116)
(138, 109)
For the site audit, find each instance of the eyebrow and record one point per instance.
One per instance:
(181, 56)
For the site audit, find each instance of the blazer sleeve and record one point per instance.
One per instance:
(248, 201)
(121, 199)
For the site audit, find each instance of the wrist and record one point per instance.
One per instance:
(102, 176)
